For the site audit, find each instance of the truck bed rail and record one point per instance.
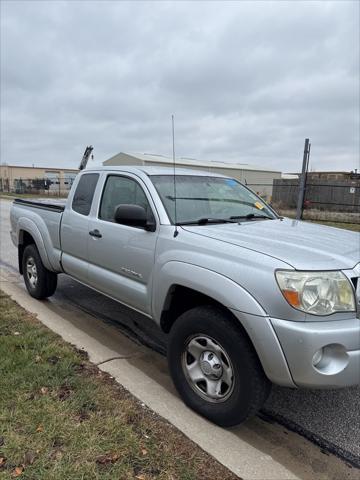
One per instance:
(45, 205)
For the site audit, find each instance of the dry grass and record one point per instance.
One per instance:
(355, 227)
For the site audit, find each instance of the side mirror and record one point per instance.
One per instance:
(133, 216)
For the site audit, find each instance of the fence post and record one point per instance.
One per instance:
(300, 202)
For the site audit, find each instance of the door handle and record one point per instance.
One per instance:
(95, 233)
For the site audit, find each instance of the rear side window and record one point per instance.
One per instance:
(84, 193)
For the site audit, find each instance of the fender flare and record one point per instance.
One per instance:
(26, 225)
(218, 287)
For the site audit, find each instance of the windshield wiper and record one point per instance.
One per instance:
(204, 221)
(211, 199)
(250, 216)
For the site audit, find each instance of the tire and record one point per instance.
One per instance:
(39, 281)
(240, 391)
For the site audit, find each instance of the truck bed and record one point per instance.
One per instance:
(41, 218)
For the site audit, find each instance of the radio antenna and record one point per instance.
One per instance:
(176, 232)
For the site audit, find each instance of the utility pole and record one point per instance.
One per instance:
(302, 185)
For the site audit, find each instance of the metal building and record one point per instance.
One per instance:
(260, 179)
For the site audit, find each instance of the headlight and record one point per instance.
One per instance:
(318, 293)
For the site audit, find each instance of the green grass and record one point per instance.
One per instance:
(62, 418)
(355, 227)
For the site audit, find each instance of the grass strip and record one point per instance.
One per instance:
(62, 418)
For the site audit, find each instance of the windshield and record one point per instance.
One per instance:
(200, 198)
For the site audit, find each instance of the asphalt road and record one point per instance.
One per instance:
(330, 418)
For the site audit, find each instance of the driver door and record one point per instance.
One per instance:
(121, 257)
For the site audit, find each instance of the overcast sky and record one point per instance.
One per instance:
(247, 81)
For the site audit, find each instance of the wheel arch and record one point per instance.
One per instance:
(29, 234)
(186, 285)
(180, 299)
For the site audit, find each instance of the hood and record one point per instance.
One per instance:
(303, 245)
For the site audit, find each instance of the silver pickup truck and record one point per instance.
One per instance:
(247, 298)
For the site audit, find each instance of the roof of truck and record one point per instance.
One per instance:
(154, 170)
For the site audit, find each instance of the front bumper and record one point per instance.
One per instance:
(340, 341)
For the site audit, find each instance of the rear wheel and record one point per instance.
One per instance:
(215, 368)
(39, 281)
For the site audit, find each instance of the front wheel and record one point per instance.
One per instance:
(215, 368)
(39, 281)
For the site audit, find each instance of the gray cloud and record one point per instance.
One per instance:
(247, 81)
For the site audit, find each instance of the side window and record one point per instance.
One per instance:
(121, 190)
(84, 193)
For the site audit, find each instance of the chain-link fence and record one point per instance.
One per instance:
(56, 187)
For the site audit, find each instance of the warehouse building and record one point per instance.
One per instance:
(25, 179)
(260, 179)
